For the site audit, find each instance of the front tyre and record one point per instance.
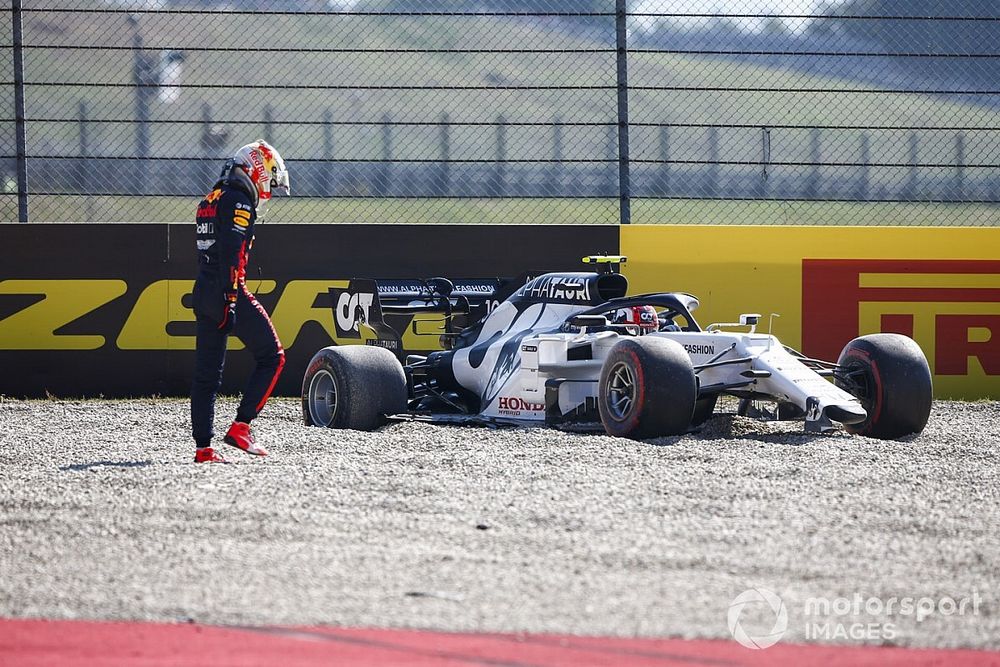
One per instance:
(647, 389)
(889, 374)
(353, 386)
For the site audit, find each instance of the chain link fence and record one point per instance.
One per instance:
(509, 111)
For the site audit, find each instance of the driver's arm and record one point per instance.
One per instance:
(235, 218)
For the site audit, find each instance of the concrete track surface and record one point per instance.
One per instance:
(104, 516)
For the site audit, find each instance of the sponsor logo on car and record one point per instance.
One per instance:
(564, 289)
(512, 406)
(391, 288)
(351, 310)
(699, 349)
(481, 288)
(400, 288)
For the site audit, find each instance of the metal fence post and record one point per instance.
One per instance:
(913, 175)
(765, 162)
(326, 186)
(812, 185)
(621, 42)
(213, 142)
(444, 174)
(498, 187)
(712, 186)
(84, 181)
(22, 157)
(269, 124)
(203, 176)
(144, 78)
(82, 170)
(863, 188)
(555, 172)
(664, 176)
(958, 192)
(382, 177)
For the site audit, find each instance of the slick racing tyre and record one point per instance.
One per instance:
(353, 386)
(647, 389)
(889, 374)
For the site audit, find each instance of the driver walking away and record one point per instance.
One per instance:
(222, 303)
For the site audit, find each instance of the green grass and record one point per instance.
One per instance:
(527, 211)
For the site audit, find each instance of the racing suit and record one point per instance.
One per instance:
(222, 304)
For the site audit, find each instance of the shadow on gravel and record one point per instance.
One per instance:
(735, 427)
(76, 467)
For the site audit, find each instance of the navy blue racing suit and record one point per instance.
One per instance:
(223, 305)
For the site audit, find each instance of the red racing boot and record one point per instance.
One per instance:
(208, 455)
(240, 437)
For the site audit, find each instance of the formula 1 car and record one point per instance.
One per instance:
(572, 348)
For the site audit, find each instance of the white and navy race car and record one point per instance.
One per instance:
(572, 348)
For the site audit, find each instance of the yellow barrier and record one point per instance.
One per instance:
(939, 285)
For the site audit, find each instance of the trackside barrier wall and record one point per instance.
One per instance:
(91, 309)
(829, 284)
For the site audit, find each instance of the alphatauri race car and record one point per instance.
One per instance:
(573, 349)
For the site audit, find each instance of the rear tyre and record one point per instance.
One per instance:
(889, 374)
(353, 386)
(647, 389)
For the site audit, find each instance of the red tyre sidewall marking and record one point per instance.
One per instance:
(866, 357)
(640, 388)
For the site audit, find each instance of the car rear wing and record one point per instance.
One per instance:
(429, 294)
(384, 311)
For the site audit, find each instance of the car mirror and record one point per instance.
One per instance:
(588, 321)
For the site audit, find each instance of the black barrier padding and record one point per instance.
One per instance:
(142, 254)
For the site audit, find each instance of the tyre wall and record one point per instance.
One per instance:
(940, 286)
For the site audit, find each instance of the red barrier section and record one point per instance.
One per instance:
(29, 643)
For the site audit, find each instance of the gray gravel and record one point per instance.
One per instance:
(103, 516)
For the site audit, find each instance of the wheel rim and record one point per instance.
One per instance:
(621, 391)
(322, 399)
(857, 380)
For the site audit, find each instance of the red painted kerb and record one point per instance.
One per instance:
(29, 643)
